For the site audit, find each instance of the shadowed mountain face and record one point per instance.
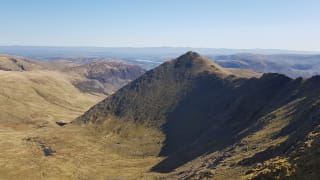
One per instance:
(202, 109)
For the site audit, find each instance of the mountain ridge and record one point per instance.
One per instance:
(203, 109)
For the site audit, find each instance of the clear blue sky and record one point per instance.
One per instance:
(277, 24)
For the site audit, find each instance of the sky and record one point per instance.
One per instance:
(240, 24)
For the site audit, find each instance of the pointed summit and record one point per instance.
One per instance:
(195, 63)
(189, 58)
(191, 54)
(168, 81)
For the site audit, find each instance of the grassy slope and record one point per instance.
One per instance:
(124, 150)
(14, 63)
(227, 163)
(284, 147)
(32, 100)
(30, 104)
(40, 97)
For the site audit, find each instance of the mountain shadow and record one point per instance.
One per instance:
(214, 113)
(304, 119)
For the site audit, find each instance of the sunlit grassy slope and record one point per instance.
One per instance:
(40, 98)
(30, 104)
(15, 63)
(33, 97)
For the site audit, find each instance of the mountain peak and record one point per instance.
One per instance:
(191, 54)
(195, 63)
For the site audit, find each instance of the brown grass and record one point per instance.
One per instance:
(40, 98)
(79, 154)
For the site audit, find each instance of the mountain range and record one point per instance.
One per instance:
(291, 63)
(188, 118)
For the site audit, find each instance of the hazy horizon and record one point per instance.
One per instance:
(288, 25)
(164, 47)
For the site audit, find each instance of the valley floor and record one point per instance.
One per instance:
(67, 153)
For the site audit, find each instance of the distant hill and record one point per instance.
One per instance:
(104, 76)
(217, 123)
(14, 63)
(40, 98)
(34, 92)
(293, 65)
(43, 52)
(90, 77)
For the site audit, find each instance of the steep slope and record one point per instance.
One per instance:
(215, 123)
(274, 145)
(170, 81)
